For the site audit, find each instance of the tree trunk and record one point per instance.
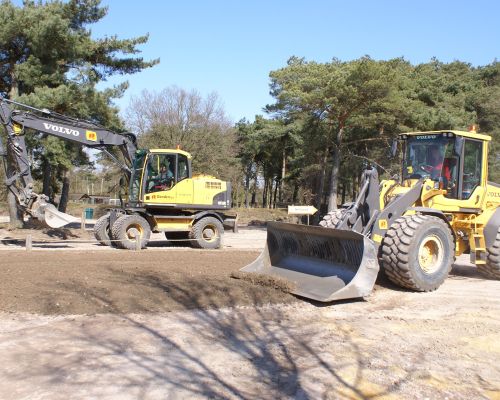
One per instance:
(334, 178)
(247, 186)
(237, 199)
(282, 180)
(16, 216)
(295, 193)
(354, 186)
(15, 213)
(321, 189)
(264, 190)
(63, 202)
(343, 192)
(47, 177)
(275, 193)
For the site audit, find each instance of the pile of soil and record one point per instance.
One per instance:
(105, 281)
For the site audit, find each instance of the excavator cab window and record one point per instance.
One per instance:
(161, 172)
(183, 168)
(136, 178)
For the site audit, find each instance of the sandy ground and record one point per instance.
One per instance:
(86, 325)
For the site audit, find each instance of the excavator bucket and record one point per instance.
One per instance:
(55, 218)
(318, 263)
(44, 211)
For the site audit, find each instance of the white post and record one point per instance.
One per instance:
(82, 226)
(29, 242)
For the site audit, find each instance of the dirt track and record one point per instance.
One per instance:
(127, 282)
(173, 324)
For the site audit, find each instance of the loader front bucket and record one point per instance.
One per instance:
(319, 263)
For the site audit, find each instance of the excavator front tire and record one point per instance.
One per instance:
(492, 267)
(417, 252)
(102, 231)
(127, 228)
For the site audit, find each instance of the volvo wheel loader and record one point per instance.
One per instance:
(413, 227)
(163, 193)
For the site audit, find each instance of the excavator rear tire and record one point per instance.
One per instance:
(206, 233)
(127, 227)
(492, 267)
(102, 231)
(417, 252)
(331, 219)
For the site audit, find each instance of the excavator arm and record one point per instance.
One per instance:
(18, 168)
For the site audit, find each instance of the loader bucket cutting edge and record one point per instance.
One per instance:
(320, 263)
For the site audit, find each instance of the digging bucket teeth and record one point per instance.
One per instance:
(319, 263)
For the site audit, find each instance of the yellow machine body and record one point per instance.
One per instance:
(173, 203)
(443, 206)
(466, 217)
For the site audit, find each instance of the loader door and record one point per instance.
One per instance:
(471, 174)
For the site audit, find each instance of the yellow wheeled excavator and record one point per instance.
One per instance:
(164, 195)
(413, 227)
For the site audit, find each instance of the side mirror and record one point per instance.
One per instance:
(459, 145)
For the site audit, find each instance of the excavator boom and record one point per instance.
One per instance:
(17, 162)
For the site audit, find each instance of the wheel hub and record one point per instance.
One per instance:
(134, 231)
(209, 233)
(430, 254)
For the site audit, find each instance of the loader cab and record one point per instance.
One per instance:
(456, 161)
(157, 170)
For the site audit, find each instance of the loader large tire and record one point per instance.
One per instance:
(331, 219)
(102, 231)
(206, 233)
(417, 252)
(127, 227)
(492, 267)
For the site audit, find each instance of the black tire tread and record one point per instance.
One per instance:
(197, 230)
(331, 219)
(101, 232)
(395, 250)
(492, 267)
(119, 231)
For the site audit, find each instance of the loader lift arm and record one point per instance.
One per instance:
(86, 133)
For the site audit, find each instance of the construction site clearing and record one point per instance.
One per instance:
(80, 320)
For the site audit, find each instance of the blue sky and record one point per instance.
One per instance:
(231, 46)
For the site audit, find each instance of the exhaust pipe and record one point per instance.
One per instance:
(319, 263)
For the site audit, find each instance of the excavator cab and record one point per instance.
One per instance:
(155, 172)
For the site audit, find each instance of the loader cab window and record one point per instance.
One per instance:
(160, 172)
(473, 155)
(432, 157)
